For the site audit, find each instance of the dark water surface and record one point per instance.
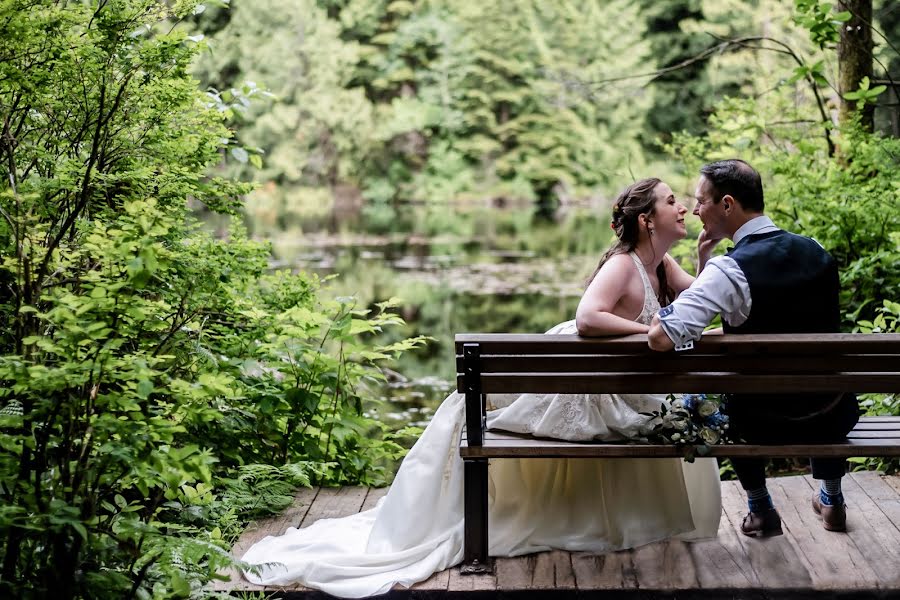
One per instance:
(457, 269)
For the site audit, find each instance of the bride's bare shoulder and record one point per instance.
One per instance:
(614, 276)
(621, 265)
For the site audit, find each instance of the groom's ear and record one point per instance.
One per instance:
(728, 201)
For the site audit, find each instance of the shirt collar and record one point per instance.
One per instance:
(761, 224)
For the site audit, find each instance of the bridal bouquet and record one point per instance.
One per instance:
(694, 421)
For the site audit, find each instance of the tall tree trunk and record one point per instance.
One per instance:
(855, 57)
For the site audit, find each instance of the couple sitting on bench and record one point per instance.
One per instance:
(771, 282)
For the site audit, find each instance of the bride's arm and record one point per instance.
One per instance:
(594, 316)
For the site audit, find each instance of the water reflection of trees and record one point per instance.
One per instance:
(457, 268)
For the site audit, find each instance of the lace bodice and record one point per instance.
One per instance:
(651, 302)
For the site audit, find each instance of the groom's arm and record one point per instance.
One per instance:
(720, 289)
(657, 338)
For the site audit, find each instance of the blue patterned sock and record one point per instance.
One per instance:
(830, 492)
(759, 500)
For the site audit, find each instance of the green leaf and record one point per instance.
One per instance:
(145, 387)
(240, 155)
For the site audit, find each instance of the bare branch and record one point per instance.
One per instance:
(725, 45)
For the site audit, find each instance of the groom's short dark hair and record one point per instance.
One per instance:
(737, 179)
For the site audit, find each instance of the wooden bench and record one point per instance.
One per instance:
(778, 364)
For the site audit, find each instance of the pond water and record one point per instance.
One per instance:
(457, 269)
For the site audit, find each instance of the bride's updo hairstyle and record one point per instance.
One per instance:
(635, 200)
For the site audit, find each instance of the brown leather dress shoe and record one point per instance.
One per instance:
(765, 524)
(834, 517)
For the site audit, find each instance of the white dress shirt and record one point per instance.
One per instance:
(721, 288)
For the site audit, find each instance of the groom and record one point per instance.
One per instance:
(772, 281)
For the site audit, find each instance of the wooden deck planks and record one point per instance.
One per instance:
(545, 570)
(291, 517)
(664, 566)
(766, 563)
(807, 558)
(372, 498)
(613, 571)
(720, 563)
(872, 533)
(335, 502)
(832, 559)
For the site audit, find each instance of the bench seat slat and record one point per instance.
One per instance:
(860, 431)
(709, 382)
(891, 434)
(878, 425)
(517, 447)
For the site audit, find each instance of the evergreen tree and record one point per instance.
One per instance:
(432, 100)
(683, 97)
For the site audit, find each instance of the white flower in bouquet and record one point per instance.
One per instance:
(707, 408)
(709, 435)
(679, 423)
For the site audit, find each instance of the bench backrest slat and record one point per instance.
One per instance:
(672, 363)
(772, 363)
(815, 344)
(631, 383)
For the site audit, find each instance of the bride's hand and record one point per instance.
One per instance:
(705, 246)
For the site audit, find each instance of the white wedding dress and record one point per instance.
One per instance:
(596, 505)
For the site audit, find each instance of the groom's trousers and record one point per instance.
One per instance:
(763, 419)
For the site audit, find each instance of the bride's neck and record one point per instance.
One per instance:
(651, 255)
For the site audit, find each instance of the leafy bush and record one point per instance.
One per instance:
(156, 385)
(886, 320)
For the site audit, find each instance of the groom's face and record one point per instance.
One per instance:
(711, 213)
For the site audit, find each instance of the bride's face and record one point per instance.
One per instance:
(668, 218)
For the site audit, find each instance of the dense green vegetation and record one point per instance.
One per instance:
(390, 101)
(160, 384)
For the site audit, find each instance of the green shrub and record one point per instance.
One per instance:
(157, 385)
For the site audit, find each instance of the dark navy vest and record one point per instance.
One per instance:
(793, 281)
(794, 288)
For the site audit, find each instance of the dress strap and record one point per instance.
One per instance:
(651, 302)
(648, 289)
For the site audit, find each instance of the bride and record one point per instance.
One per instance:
(596, 505)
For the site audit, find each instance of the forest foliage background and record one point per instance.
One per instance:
(161, 384)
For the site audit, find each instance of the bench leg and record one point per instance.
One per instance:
(475, 557)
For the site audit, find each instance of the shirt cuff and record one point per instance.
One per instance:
(675, 329)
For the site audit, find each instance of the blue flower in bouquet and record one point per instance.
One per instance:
(691, 401)
(717, 420)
